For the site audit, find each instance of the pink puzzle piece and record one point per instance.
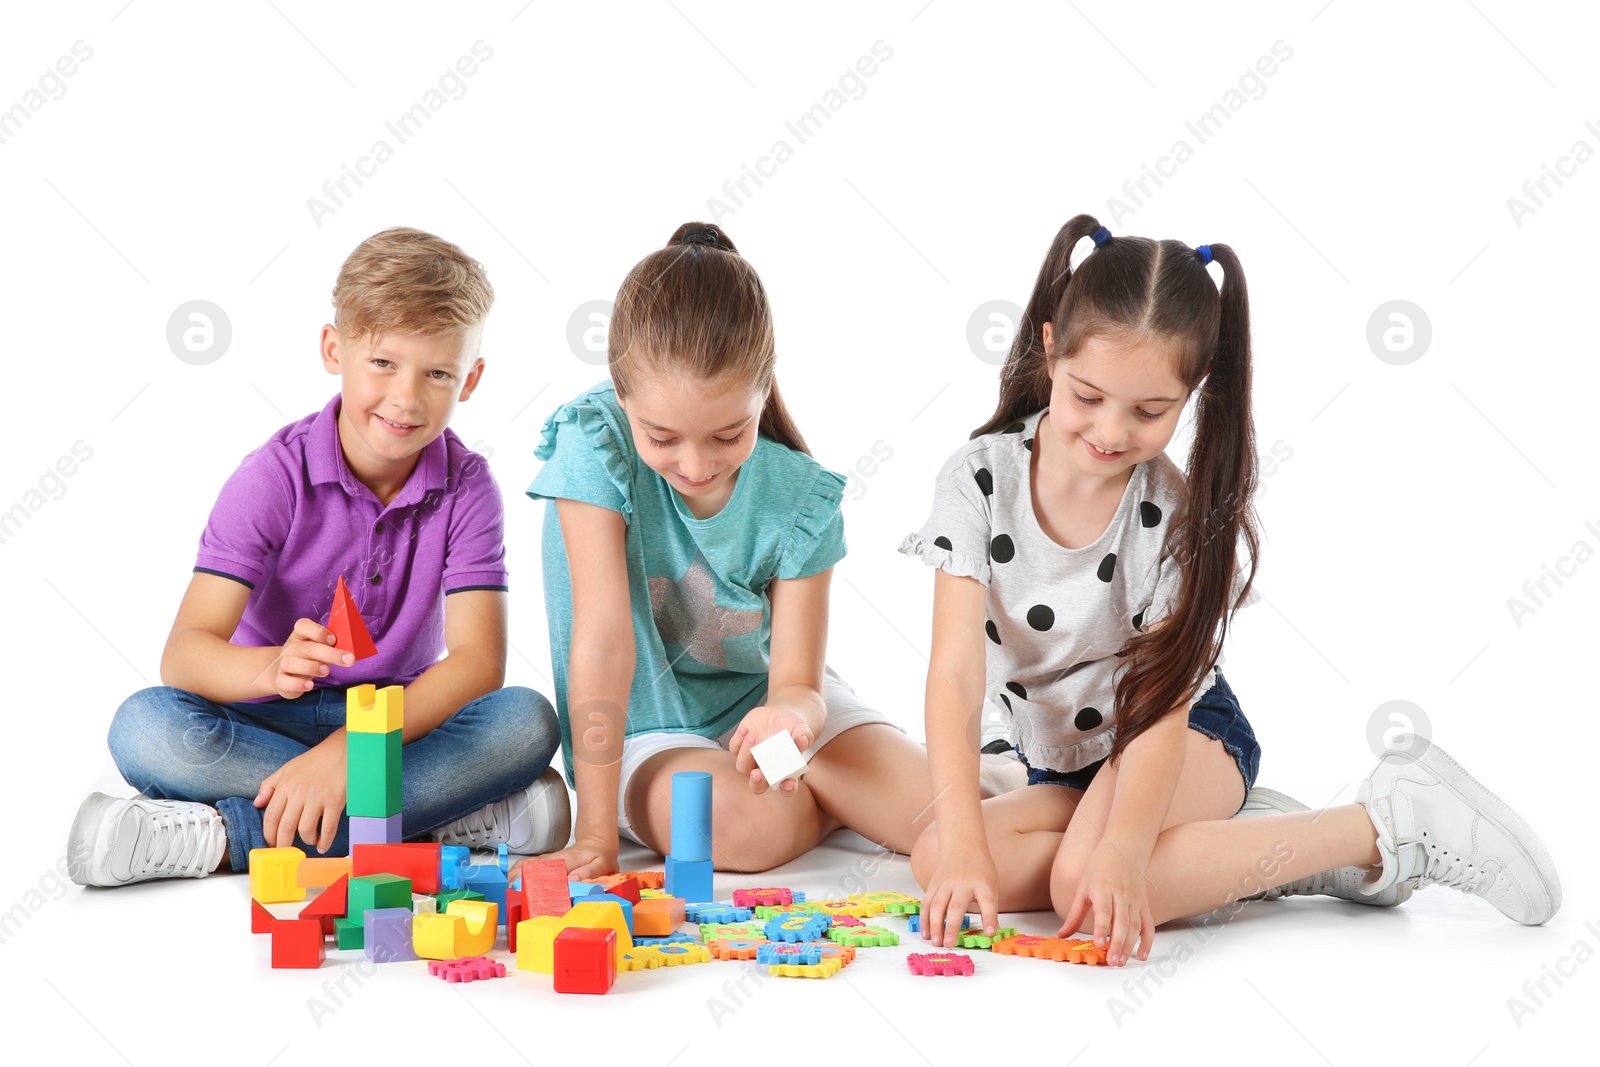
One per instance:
(940, 964)
(466, 969)
(772, 897)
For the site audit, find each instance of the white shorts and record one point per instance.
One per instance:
(845, 712)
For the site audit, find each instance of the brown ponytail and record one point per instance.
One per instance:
(697, 308)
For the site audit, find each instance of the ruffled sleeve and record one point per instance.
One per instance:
(956, 536)
(816, 541)
(588, 456)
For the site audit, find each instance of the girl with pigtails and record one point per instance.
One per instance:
(1085, 584)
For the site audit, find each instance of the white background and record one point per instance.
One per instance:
(1374, 164)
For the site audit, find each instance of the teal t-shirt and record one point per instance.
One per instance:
(702, 620)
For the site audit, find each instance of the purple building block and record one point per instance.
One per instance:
(368, 830)
(388, 935)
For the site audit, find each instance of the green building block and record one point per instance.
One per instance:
(349, 933)
(369, 892)
(448, 895)
(373, 774)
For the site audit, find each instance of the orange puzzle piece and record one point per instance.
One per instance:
(1075, 950)
(349, 628)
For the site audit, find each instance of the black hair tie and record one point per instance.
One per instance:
(701, 236)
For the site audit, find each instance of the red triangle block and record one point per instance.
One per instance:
(331, 903)
(260, 918)
(349, 629)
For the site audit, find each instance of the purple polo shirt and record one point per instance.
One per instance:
(293, 518)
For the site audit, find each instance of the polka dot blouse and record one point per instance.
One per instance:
(1055, 616)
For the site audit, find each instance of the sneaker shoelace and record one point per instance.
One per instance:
(1447, 868)
(483, 828)
(179, 843)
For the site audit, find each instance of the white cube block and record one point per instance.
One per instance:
(422, 904)
(778, 758)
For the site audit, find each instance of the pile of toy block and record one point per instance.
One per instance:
(396, 901)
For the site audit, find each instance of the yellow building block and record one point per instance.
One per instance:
(466, 928)
(274, 875)
(536, 943)
(369, 710)
(601, 914)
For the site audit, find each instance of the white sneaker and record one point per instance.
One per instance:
(1342, 882)
(114, 842)
(530, 822)
(1438, 826)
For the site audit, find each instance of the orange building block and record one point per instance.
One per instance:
(319, 872)
(658, 916)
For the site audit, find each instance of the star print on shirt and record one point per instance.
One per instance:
(687, 614)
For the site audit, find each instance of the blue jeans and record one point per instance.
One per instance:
(1216, 714)
(173, 745)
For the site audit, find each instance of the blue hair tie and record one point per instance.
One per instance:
(1204, 252)
(1101, 236)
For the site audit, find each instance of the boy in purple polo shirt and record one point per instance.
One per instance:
(244, 747)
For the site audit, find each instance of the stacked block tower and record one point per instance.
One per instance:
(373, 719)
(688, 873)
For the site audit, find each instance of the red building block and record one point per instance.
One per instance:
(260, 918)
(586, 960)
(421, 865)
(544, 888)
(627, 889)
(329, 905)
(297, 943)
(516, 911)
(349, 628)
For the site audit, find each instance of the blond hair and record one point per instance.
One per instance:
(407, 281)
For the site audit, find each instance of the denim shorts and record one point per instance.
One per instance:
(1216, 714)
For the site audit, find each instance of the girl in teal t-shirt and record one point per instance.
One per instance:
(687, 557)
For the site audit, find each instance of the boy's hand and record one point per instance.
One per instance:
(307, 655)
(758, 725)
(305, 795)
(585, 858)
